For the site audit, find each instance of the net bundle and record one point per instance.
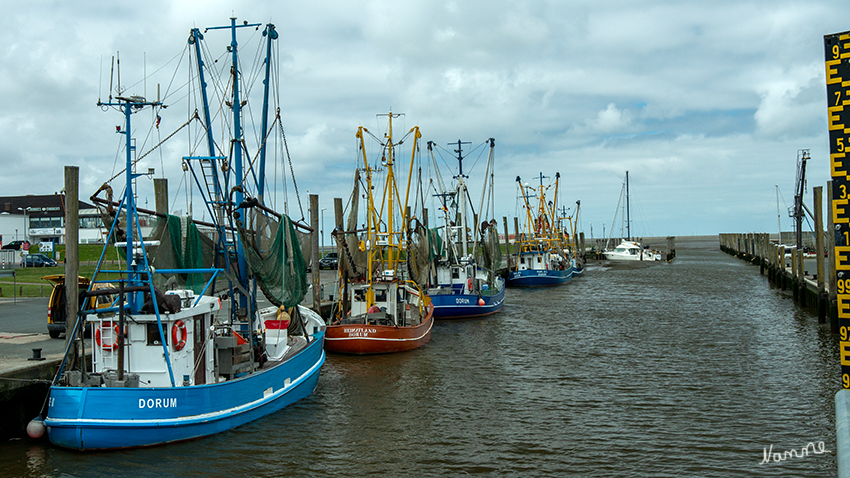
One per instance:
(490, 247)
(273, 253)
(181, 246)
(420, 253)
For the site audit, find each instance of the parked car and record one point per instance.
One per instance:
(56, 313)
(330, 261)
(16, 245)
(38, 260)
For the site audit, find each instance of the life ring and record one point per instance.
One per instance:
(179, 334)
(97, 335)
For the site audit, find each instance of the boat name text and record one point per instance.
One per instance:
(357, 332)
(158, 403)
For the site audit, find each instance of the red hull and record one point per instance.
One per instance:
(359, 339)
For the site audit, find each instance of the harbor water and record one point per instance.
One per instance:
(690, 368)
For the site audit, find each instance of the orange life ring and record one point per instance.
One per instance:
(97, 336)
(179, 334)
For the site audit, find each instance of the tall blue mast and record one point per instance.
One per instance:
(237, 143)
(271, 34)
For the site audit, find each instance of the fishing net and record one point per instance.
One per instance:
(182, 246)
(491, 252)
(352, 261)
(273, 252)
(420, 253)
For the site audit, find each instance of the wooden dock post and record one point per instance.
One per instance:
(794, 282)
(671, 248)
(160, 193)
(817, 192)
(516, 234)
(507, 239)
(832, 277)
(72, 265)
(782, 267)
(314, 253)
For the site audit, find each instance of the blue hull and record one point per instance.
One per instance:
(465, 306)
(92, 418)
(539, 278)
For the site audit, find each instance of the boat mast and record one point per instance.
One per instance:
(271, 34)
(236, 145)
(371, 220)
(389, 189)
(628, 219)
(778, 217)
(461, 191)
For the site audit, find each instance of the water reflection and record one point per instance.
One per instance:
(683, 369)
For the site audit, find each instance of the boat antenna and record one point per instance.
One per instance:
(111, 75)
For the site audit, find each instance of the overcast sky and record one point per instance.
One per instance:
(706, 104)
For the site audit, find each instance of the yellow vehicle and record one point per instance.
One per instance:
(56, 313)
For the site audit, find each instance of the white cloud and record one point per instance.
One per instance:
(705, 103)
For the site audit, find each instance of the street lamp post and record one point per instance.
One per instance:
(25, 210)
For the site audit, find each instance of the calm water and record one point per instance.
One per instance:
(683, 369)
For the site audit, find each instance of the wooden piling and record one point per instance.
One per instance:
(160, 193)
(817, 192)
(72, 260)
(314, 253)
(832, 276)
(507, 239)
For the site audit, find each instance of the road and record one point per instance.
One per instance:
(23, 327)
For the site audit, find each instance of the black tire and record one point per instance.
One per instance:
(53, 334)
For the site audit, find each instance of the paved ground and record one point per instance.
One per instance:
(23, 327)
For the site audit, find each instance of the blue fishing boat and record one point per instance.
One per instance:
(541, 257)
(180, 349)
(464, 282)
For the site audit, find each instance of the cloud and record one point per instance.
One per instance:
(705, 104)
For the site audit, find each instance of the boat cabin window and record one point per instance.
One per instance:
(539, 259)
(522, 260)
(153, 335)
(359, 295)
(380, 296)
(455, 273)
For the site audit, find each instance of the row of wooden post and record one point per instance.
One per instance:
(819, 292)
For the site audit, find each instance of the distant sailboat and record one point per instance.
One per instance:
(628, 250)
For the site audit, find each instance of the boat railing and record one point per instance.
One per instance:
(424, 300)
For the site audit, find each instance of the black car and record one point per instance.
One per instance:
(330, 261)
(16, 245)
(38, 260)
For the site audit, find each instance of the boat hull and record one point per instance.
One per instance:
(95, 418)
(465, 306)
(360, 339)
(539, 278)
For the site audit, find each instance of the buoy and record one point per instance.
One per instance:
(480, 301)
(35, 428)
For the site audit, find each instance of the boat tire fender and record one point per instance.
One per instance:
(179, 335)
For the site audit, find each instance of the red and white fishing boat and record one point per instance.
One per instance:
(381, 307)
